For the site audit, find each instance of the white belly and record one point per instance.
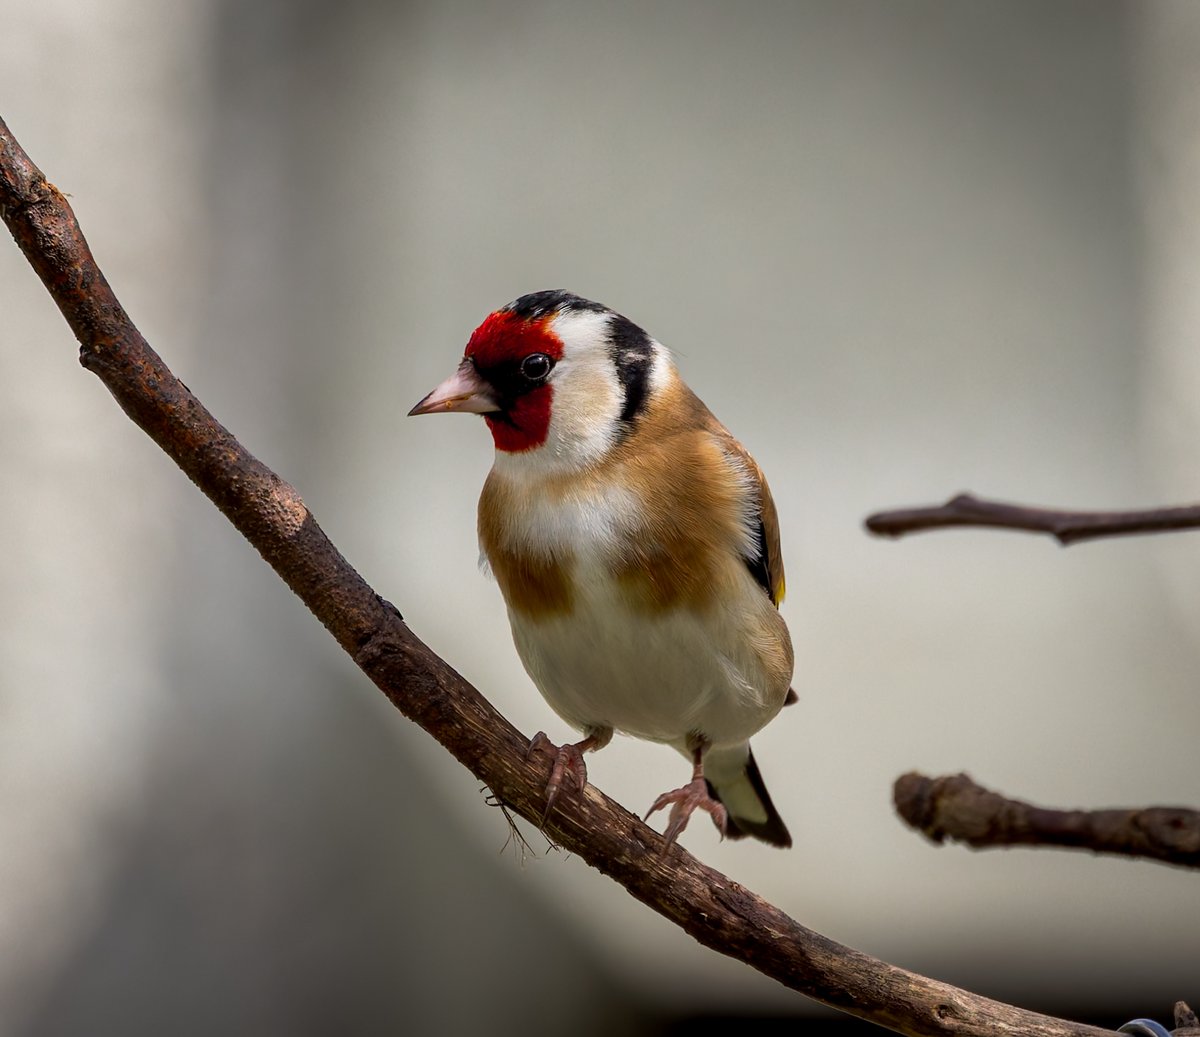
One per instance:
(660, 676)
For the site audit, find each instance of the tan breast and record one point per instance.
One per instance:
(672, 537)
(534, 585)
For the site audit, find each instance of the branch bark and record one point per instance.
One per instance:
(1067, 527)
(955, 807)
(708, 905)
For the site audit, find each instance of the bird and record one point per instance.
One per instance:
(636, 546)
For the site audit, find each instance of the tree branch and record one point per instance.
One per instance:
(1067, 527)
(706, 904)
(955, 807)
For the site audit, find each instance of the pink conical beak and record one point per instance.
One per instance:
(464, 392)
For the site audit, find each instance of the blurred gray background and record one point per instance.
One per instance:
(901, 248)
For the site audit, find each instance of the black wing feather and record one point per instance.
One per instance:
(759, 565)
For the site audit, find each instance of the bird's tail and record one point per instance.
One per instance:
(734, 779)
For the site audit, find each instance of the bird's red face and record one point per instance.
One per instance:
(515, 356)
(504, 376)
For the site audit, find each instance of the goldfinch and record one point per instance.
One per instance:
(636, 545)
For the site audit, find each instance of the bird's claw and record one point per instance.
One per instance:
(568, 760)
(683, 802)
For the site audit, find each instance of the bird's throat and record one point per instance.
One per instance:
(525, 424)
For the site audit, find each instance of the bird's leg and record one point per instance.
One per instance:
(694, 794)
(568, 759)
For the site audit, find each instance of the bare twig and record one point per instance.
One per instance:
(1067, 527)
(955, 807)
(708, 905)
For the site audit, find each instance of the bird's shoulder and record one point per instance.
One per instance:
(712, 491)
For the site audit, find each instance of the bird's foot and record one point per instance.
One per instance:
(568, 760)
(683, 803)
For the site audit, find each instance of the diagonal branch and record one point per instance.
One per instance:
(1067, 527)
(955, 807)
(709, 906)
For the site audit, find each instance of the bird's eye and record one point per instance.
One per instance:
(536, 366)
